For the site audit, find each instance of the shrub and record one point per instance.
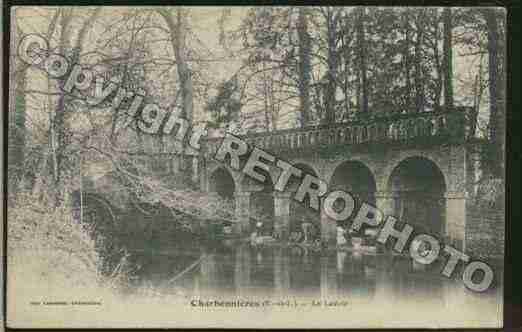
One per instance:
(48, 249)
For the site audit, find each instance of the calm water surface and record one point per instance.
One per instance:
(241, 270)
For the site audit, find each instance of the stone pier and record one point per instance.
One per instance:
(385, 201)
(456, 218)
(281, 214)
(243, 212)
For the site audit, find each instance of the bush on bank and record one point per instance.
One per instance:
(47, 249)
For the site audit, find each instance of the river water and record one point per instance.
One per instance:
(242, 271)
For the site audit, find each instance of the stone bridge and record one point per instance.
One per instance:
(419, 167)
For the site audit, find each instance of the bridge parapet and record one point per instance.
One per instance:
(444, 124)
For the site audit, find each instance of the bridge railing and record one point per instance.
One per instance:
(443, 124)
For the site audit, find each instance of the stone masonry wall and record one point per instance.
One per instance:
(485, 224)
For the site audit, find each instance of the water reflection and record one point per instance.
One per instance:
(242, 271)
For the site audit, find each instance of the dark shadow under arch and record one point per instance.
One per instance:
(418, 187)
(355, 177)
(222, 183)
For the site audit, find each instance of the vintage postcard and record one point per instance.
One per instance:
(255, 167)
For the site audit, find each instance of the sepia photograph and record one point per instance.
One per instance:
(255, 167)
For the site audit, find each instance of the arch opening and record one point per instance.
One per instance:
(418, 188)
(222, 183)
(356, 178)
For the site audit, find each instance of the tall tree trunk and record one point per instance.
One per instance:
(178, 35)
(274, 105)
(331, 84)
(478, 90)
(438, 71)
(501, 92)
(361, 52)
(266, 99)
(59, 137)
(419, 81)
(346, 81)
(305, 66)
(407, 63)
(358, 87)
(58, 130)
(17, 126)
(447, 60)
(496, 119)
(17, 107)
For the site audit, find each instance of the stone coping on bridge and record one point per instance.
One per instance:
(397, 127)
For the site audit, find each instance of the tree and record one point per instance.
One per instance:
(176, 22)
(225, 107)
(448, 58)
(496, 106)
(277, 48)
(332, 17)
(419, 75)
(17, 120)
(60, 139)
(361, 46)
(432, 39)
(305, 66)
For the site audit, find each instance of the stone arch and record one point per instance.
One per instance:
(385, 173)
(222, 182)
(418, 188)
(356, 177)
(213, 166)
